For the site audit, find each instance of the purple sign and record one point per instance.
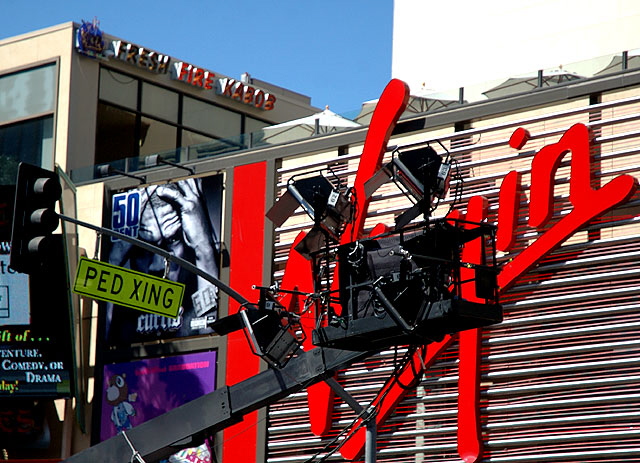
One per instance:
(134, 392)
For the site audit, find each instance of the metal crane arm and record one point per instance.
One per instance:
(160, 437)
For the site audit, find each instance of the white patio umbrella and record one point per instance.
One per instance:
(527, 83)
(417, 104)
(320, 123)
(615, 65)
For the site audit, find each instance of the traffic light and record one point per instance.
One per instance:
(34, 218)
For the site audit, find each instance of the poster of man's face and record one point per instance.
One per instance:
(183, 218)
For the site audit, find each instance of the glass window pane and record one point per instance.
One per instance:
(191, 138)
(156, 137)
(118, 88)
(30, 141)
(28, 93)
(159, 102)
(210, 119)
(253, 125)
(115, 134)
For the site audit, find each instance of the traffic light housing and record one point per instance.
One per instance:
(34, 218)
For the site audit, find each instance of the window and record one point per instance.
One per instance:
(137, 118)
(28, 93)
(192, 138)
(210, 119)
(27, 106)
(160, 102)
(115, 134)
(29, 141)
(253, 125)
(156, 136)
(118, 88)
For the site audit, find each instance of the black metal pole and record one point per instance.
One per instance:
(167, 255)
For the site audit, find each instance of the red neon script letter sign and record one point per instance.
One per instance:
(588, 203)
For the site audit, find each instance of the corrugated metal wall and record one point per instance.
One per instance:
(561, 375)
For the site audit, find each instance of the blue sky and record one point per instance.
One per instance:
(338, 52)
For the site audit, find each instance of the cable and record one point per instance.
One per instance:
(134, 453)
(458, 191)
(339, 435)
(367, 412)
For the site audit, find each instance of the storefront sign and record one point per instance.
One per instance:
(128, 288)
(140, 57)
(89, 39)
(245, 93)
(31, 364)
(225, 86)
(14, 295)
(192, 75)
(90, 42)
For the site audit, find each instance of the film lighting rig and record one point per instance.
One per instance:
(406, 287)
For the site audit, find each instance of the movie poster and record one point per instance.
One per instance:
(183, 218)
(135, 392)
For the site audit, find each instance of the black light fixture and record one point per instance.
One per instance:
(327, 203)
(421, 173)
(270, 333)
(105, 170)
(155, 160)
(405, 287)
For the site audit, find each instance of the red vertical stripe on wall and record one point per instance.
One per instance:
(469, 432)
(247, 245)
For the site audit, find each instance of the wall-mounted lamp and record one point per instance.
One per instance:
(105, 170)
(155, 160)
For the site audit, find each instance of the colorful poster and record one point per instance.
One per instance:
(135, 392)
(183, 218)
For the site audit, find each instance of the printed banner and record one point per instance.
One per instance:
(135, 392)
(183, 218)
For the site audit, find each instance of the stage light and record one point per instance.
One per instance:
(328, 205)
(270, 333)
(422, 174)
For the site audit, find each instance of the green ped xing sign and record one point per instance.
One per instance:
(128, 288)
